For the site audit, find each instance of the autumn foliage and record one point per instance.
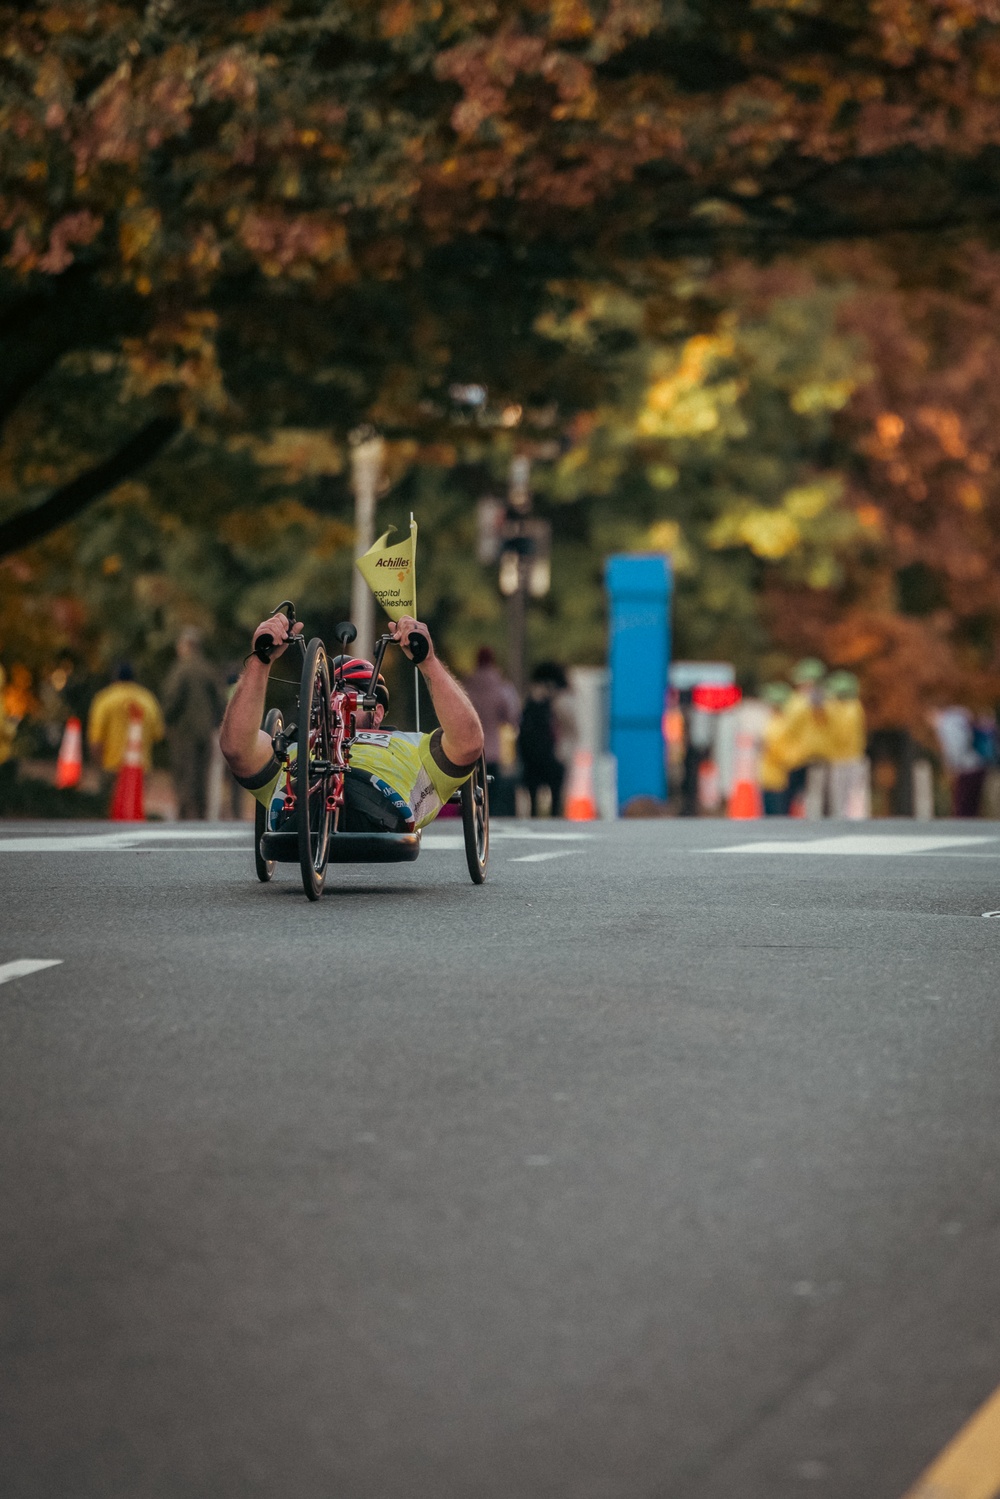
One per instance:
(919, 609)
(726, 270)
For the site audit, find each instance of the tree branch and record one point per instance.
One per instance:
(67, 502)
(72, 313)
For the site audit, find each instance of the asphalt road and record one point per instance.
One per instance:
(648, 1170)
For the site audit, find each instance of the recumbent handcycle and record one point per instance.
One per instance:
(317, 773)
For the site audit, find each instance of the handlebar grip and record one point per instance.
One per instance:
(264, 644)
(419, 649)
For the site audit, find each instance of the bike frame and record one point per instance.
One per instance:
(344, 705)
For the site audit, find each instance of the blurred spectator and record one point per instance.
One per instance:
(892, 753)
(774, 756)
(698, 735)
(804, 731)
(8, 724)
(537, 741)
(986, 742)
(497, 703)
(237, 796)
(564, 715)
(18, 698)
(966, 764)
(193, 703)
(846, 738)
(984, 738)
(108, 723)
(675, 738)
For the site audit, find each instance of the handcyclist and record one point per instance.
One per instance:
(397, 781)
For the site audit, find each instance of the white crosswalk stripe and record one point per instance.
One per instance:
(561, 853)
(21, 967)
(878, 845)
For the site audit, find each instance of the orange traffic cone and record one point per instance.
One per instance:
(126, 803)
(580, 803)
(69, 766)
(745, 800)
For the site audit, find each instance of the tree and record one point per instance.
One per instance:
(916, 608)
(716, 446)
(172, 157)
(288, 218)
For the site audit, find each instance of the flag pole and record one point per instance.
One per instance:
(367, 455)
(416, 669)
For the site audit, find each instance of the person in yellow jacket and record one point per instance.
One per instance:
(108, 723)
(774, 751)
(805, 729)
(846, 743)
(846, 734)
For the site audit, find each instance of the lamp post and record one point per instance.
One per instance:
(367, 453)
(514, 575)
(523, 545)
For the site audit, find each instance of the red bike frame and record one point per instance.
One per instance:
(344, 704)
(343, 707)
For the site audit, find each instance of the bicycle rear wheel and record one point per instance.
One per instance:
(476, 821)
(312, 770)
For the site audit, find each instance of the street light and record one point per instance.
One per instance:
(522, 544)
(367, 454)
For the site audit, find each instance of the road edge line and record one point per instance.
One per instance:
(969, 1466)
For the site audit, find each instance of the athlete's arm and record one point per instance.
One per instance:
(247, 749)
(461, 731)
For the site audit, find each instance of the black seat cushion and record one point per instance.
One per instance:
(371, 806)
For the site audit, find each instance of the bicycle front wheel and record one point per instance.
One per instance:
(312, 770)
(476, 821)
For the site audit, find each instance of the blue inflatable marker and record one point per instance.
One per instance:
(639, 591)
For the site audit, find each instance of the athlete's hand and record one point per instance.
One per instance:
(278, 628)
(401, 630)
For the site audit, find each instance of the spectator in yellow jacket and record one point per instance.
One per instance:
(108, 722)
(805, 725)
(846, 734)
(846, 743)
(775, 751)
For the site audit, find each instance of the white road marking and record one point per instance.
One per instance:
(75, 843)
(21, 967)
(172, 831)
(560, 853)
(950, 853)
(138, 836)
(456, 840)
(883, 845)
(532, 836)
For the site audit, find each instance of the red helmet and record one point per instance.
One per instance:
(355, 672)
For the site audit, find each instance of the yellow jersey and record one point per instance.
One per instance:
(410, 771)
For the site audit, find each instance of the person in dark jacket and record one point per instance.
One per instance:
(193, 703)
(499, 707)
(536, 742)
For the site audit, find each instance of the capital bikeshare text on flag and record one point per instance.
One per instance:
(391, 573)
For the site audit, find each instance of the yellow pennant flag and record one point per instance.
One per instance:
(391, 573)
